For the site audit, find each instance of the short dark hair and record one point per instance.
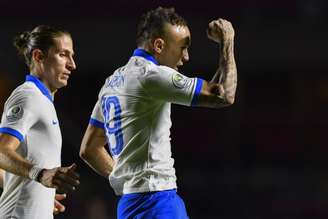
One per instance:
(152, 23)
(41, 37)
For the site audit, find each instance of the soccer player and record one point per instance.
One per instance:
(30, 137)
(132, 114)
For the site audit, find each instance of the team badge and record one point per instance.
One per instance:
(15, 113)
(181, 81)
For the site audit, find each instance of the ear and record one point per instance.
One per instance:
(37, 55)
(158, 45)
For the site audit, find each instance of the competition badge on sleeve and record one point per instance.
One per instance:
(181, 81)
(15, 113)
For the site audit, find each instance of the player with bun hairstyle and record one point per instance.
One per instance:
(30, 136)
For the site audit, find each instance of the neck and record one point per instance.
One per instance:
(147, 49)
(150, 50)
(52, 91)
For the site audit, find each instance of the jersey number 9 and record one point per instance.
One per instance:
(112, 113)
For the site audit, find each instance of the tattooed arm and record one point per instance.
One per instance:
(220, 91)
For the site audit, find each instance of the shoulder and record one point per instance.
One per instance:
(163, 71)
(164, 68)
(25, 94)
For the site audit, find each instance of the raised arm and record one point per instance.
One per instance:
(93, 151)
(220, 91)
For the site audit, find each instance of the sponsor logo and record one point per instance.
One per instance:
(15, 113)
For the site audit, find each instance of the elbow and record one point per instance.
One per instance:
(225, 102)
(84, 155)
(230, 100)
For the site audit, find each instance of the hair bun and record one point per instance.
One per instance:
(22, 40)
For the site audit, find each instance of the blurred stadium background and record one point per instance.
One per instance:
(264, 157)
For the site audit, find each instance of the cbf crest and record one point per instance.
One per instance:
(15, 113)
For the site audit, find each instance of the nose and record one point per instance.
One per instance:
(185, 55)
(71, 64)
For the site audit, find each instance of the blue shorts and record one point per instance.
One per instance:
(152, 205)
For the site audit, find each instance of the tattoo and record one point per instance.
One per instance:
(226, 75)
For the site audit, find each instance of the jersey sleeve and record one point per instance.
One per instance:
(20, 114)
(166, 84)
(96, 117)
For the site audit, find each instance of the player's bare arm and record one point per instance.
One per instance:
(58, 206)
(9, 159)
(222, 88)
(2, 172)
(64, 179)
(93, 151)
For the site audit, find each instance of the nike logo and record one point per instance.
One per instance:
(54, 122)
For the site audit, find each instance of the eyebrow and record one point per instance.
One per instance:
(67, 51)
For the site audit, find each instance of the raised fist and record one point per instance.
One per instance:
(220, 30)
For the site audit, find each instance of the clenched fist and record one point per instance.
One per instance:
(220, 30)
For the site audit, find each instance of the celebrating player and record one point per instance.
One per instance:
(132, 114)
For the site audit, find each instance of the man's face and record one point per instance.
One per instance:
(177, 40)
(59, 63)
